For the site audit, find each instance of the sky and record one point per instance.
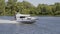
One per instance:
(36, 2)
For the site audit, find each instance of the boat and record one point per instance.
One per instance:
(23, 18)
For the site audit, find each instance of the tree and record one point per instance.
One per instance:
(2, 7)
(11, 6)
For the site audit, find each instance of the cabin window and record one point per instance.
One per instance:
(22, 16)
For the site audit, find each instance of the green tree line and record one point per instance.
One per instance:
(9, 8)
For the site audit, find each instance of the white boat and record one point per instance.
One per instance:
(25, 18)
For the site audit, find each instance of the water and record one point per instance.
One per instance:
(45, 25)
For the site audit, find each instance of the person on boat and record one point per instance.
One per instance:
(15, 15)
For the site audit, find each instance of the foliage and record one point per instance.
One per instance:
(12, 6)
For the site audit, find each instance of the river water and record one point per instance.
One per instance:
(45, 25)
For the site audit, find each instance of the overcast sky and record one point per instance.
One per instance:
(36, 2)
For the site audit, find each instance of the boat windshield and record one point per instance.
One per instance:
(22, 16)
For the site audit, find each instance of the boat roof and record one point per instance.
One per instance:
(22, 14)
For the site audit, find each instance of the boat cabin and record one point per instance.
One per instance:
(21, 16)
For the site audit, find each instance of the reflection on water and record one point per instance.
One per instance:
(45, 25)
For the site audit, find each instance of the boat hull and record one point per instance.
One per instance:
(27, 22)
